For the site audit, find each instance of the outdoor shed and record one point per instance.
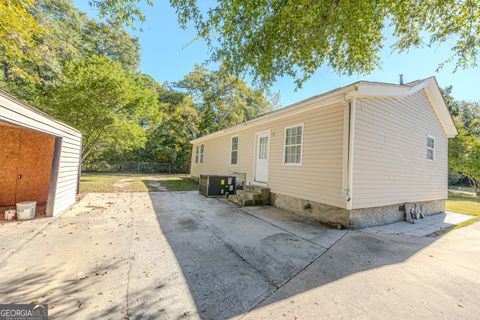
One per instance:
(39, 158)
(356, 156)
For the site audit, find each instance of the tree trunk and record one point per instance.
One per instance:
(476, 186)
(5, 70)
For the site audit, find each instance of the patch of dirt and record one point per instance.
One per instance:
(123, 183)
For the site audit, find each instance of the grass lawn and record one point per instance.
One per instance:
(464, 203)
(131, 182)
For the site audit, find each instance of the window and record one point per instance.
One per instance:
(199, 153)
(293, 145)
(234, 150)
(430, 148)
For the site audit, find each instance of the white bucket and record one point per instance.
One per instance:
(26, 210)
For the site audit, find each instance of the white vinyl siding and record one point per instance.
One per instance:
(234, 150)
(293, 145)
(16, 113)
(389, 160)
(319, 178)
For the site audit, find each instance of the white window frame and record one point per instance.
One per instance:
(301, 145)
(231, 150)
(199, 153)
(433, 149)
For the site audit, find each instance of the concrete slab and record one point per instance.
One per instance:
(292, 223)
(274, 254)
(277, 253)
(421, 227)
(14, 234)
(89, 264)
(220, 280)
(381, 276)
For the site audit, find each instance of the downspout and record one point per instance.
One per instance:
(346, 143)
(351, 144)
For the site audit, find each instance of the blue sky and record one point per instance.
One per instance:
(167, 54)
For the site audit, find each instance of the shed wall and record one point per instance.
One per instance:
(14, 112)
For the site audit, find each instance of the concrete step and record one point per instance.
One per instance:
(263, 191)
(255, 188)
(243, 202)
(249, 194)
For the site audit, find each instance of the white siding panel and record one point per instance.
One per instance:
(318, 179)
(64, 202)
(15, 112)
(389, 158)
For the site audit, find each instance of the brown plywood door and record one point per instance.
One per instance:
(8, 180)
(34, 167)
(25, 165)
(10, 140)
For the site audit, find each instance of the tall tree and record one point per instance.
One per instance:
(105, 102)
(75, 35)
(21, 38)
(221, 99)
(169, 140)
(59, 33)
(272, 38)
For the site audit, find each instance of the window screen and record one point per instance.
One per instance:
(430, 148)
(234, 151)
(199, 153)
(293, 145)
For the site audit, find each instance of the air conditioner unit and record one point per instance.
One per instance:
(216, 186)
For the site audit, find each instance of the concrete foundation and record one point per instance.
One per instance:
(368, 217)
(356, 218)
(320, 212)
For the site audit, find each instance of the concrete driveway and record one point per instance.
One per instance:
(179, 255)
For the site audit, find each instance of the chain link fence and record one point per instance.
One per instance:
(137, 167)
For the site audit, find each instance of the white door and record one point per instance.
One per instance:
(261, 157)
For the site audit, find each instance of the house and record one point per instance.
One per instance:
(39, 158)
(356, 156)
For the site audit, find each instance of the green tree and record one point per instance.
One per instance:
(105, 102)
(76, 36)
(22, 38)
(464, 150)
(65, 34)
(169, 140)
(221, 99)
(272, 38)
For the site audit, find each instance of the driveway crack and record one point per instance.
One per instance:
(130, 258)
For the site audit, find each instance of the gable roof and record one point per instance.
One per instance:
(359, 89)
